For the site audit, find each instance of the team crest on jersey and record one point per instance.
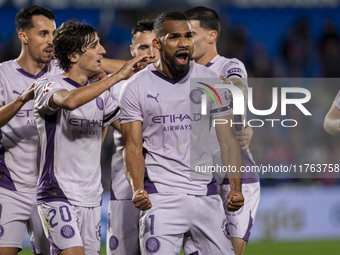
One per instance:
(100, 103)
(113, 242)
(1, 231)
(67, 231)
(196, 96)
(47, 87)
(152, 245)
(225, 228)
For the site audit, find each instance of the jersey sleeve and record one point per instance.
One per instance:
(337, 100)
(111, 109)
(43, 90)
(2, 92)
(235, 69)
(130, 103)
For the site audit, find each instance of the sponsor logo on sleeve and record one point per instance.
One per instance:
(234, 70)
(47, 87)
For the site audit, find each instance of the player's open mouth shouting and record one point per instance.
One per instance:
(182, 56)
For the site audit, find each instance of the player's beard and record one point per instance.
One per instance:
(175, 68)
(45, 61)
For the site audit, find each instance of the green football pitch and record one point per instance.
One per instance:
(326, 247)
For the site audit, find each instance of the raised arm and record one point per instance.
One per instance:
(112, 65)
(332, 121)
(8, 111)
(231, 156)
(134, 163)
(73, 99)
(238, 82)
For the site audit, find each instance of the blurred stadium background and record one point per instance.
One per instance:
(274, 39)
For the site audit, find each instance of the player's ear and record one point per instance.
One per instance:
(132, 51)
(212, 36)
(156, 43)
(23, 37)
(73, 57)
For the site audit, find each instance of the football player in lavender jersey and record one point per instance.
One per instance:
(123, 217)
(70, 114)
(19, 147)
(332, 119)
(157, 126)
(206, 28)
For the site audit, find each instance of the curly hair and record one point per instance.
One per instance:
(71, 38)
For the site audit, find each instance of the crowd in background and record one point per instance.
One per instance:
(298, 55)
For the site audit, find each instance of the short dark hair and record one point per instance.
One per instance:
(207, 17)
(171, 15)
(72, 37)
(142, 26)
(23, 19)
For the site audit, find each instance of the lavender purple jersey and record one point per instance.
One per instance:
(337, 100)
(19, 148)
(120, 188)
(233, 68)
(70, 143)
(171, 117)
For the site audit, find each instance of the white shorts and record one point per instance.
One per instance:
(122, 228)
(68, 226)
(174, 217)
(18, 210)
(241, 222)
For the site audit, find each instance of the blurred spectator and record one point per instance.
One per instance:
(330, 50)
(297, 50)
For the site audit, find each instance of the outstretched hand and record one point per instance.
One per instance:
(132, 66)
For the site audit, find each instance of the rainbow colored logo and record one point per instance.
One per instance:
(209, 93)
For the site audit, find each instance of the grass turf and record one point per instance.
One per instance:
(316, 247)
